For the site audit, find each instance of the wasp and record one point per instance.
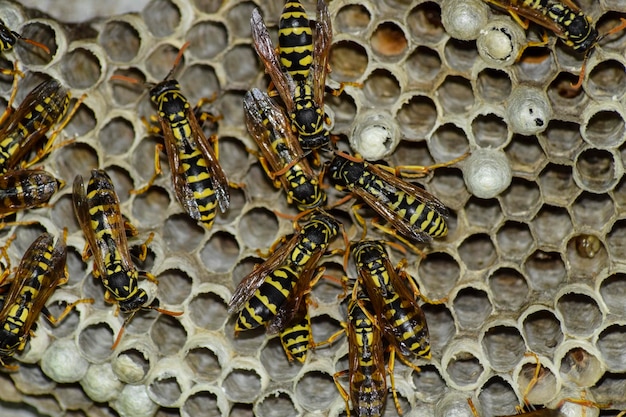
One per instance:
(272, 293)
(297, 337)
(26, 188)
(41, 270)
(43, 108)
(411, 210)
(402, 320)
(281, 150)
(8, 39)
(199, 181)
(298, 71)
(100, 218)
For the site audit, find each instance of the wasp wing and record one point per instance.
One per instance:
(512, 7)
(323, 39)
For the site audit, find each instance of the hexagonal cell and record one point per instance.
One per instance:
(220, 253)
(275, 362)
(448, 142)
(131, 365)
(258, 237)
(514, 240)
(95, 341)
(478, 252)
(483, 213)
(536, 65)
(352, 18)
(174, 286)
(316, 390)
(168, 334)
(563, 97)
(125, 93)
(81, 68)
(557, 185)
(38, 32)
(562, 139)
(429, 385)
(161, 59)
(322, 328)
(551, 226)
(208, 311)
(409, 153)
(233, 157)
(606, 80)
(608, 389)
(612, 346)
(471, 307)
(231, 108)
(580, 367)
(596, 170)
(509, 288)
(493, 85)
(455, 95)
(238, 19)
(389, 41)
(182, 234)
(75, 158)
(204, 403)
(464, 369)
(242, 385)
(417, 117)
(546, 271)
(447, 184)
(348, 60)
(165, 391)
(521, 200)
(581, 313)
(381, 88)
(30, 379)
(424, 22)
(200, 82)
(438, 274)
(162, 17)
(504, 346)
(604, 129)
(460, 55)
(150, 207)
(83, 121)
(613, 292)
(497, 398)
(276, 404)
(542, 331)
(200, 31)
(525, 155)
(490, 131)
(116, 136)
(547, 385)
(204, 363)
(120, 40)
(586, 256)
(423, 65)
(616, 239)
(241, 64)
(441, 326)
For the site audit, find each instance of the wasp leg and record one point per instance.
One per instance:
(157, 171)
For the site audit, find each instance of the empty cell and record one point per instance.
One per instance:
(233, 157)
(483, 213)
(490, 131)
(552, 225)
(239, 19)
(471, 307)
(381, 88)
(441, 326)
(132, 365)
(448, 142)
(75, 158)
(612, 346)
(83, 121)
(423, 65)
(258, 228)
(208, 311)
(580, 367)
(245, 343)
(616, 239)
(348, 60)
(478, 252)
(521, 200)
(121, 181)
(70, 322)
(243, 268)
(39, 32)
(150, 207)
(275, 361)
(417, 117)
(181, 233)
(493, 85)
(117, 136)
(557, 185)
(460, 55)
(438, 273)
(201, 32)
(81, 68)
(429, 385)
(322, 328)
(241, 64)
(204, 363)
(536, 65)
(561, 139)
(168, 334)
(162, 17)
(514, 240)
(389, 41)
(464, 369)
(547, 385)
(581, 313)
(352, 18)
(525, 155)
(231, 108)
(607, 80)
(220, 253)
(410, 153)
(165, 391)
(586, 256)
(120, 40)
(609, 389)
(174, 286)
(447, 184)
(596, 170)
(95, 341)
(613, 292)
(561, 94)
(242, 385)
(199, 82)
(497, 398)
(424, 22)
(344, 108)
(546, 271)
(504, 346)
(237, 202)
(71, 397)
(203, 403)
(315, 391)
(542, 331)
(604, 129)
(276, 404)
(124, 93)
(161, 60)
(455, 95)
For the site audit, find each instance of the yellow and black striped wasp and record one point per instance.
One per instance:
(415, 213)
(297, 336)
(41, 270)
(563, 17)
(282, 157)
(41, 110)
(298, 71)
(100, 218)
(273, 292)
(199, 181)
(8, 39)
(26, 188)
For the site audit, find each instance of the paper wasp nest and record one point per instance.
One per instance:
(538, 267)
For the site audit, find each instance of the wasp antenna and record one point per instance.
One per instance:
(37, 44)
(124, 78)
(121, 332)
(179, 56)
(168, 312)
